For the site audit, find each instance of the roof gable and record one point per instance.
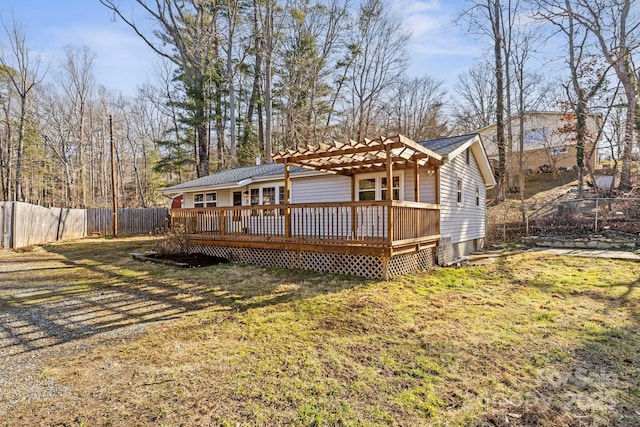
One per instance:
(453, 146)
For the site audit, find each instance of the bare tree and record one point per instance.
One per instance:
(378, 62)
(617, 32)
(6, 136)
(416, 108)
(585, 79)
(486, 18)
(58, 137)
(475, 98)
(310, 43)
(26, 76)
(75, 80)
(186, 37)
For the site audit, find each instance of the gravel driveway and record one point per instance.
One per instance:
(40, 319)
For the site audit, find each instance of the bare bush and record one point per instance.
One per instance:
(176, 242)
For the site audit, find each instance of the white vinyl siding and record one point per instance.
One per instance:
(462, 221)
(427, 186)
(327, 188)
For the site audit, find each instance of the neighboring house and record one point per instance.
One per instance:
(340, 215)
(545, 143)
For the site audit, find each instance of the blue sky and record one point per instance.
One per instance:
(123, 61)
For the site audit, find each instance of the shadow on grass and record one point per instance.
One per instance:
(94, 287)
(596, 381)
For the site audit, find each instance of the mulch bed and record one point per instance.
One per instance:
(186, 261)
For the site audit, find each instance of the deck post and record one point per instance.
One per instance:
(389, 194)
(416, 181)
(354, 220)
(437, 175)
(416, 192)
(223, 222)
(287, 201)
(385, 268)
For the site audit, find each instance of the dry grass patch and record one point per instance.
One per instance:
(531, 340)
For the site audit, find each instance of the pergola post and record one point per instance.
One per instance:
(354, 220)
(416, 191)
(389, 165)
(287, 201)
(437, 175)
(416, 181)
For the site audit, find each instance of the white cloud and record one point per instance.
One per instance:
(122, 61)
(438, 46)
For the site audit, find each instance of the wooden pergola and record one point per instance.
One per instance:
(350, 158)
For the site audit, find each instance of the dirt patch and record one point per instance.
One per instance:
(185, 260)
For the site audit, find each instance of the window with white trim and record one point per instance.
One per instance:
(202, 200)
(255, 196)
(477, 195)
(374, 187)
(459, 190)
(267, 195)
(395, 188)
(367, 189)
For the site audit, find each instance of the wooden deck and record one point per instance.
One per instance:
(379, 228)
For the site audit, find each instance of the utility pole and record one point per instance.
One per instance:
(113, 180)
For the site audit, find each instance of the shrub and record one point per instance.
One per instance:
(176, 242)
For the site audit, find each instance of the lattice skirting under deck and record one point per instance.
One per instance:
(357, 265)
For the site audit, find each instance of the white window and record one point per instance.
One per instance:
(459, 190)
(255, 196)
(374, 187)
(367, 189)
(477, 196)
(211, 200)
(202, 200)
(561, 150)
(467, 154)
(266, 195)
(534, 136)
(395, 188)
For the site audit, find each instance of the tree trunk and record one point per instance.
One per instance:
(499, 102)
(268, 95)
(627, 149)
(23, 113)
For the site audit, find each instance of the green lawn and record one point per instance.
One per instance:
(529, 340)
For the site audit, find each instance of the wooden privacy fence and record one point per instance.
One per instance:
(24, 224)
(130, 220)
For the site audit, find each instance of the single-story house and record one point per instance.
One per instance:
(331, 208)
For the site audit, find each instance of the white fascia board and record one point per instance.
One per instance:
(242, 183)
(299, 174)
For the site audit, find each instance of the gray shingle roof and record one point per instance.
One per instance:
(232, 176)
(442, 146)
(445, 146)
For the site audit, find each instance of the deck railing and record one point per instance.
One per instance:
(379, 223)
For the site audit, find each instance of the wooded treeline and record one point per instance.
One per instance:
(241, 79)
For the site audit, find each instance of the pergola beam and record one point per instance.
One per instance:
(349, 158)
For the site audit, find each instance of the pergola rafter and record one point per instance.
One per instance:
(355, 157)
